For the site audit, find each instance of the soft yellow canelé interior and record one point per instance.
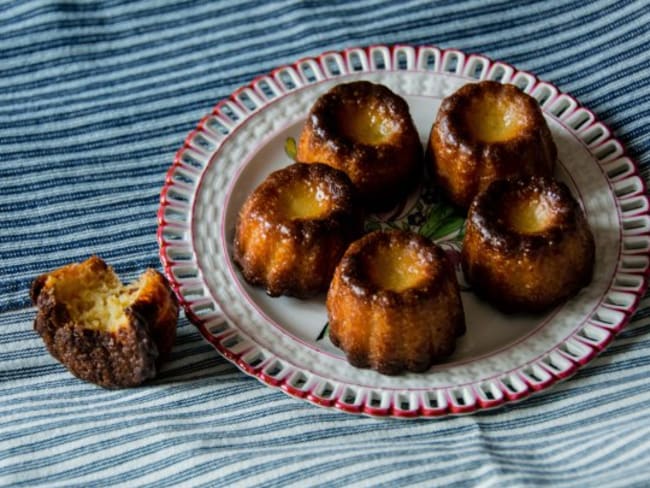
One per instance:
(495, 118)
(95, 301)
(304, 200)
(530, 215)
(366, 124)
(395, 268)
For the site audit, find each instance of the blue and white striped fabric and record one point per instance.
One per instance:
(95, 98)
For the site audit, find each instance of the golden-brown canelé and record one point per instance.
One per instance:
(105, 332)
(528, 245)
(394, 303)
(295, 226)
(365, 130)
(484, 132)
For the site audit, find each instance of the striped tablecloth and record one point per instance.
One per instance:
(96, 97)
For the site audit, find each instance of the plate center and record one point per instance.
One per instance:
(306, 320)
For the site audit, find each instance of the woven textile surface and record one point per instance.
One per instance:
(95, 99)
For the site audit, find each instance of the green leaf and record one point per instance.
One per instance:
(451, 224)
(324, 331)
(372, 225)
(461, 234)
(435, 219)
(290, 147)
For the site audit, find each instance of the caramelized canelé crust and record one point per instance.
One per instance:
(102, 331)
(294, 228)
(365, 130)
(528, 245)
(394, 303)
(484, 132)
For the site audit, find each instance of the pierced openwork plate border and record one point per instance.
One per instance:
(194, 251)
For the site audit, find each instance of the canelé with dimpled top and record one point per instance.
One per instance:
(394, 303)
(527, 245)
(293, 229)
(484, 132)
(365, 130)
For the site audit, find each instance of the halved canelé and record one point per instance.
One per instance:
(394, 303)
(528, 245)
(365, 130)
(295, 226)
(484, 132)
(105, 332)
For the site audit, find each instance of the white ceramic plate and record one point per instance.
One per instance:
(282, 341)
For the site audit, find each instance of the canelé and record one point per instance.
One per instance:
(293, 229)
(484, 132)
(528, 245)
(365, 130)
(105, 332)
(394, 303)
